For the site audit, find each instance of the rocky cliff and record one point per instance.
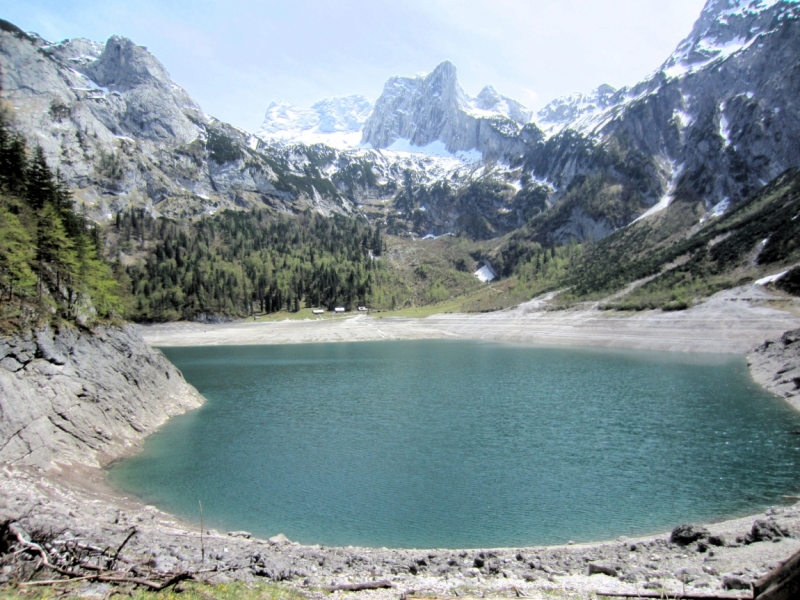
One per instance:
(715, 123)
(122, 133)
(73, 397)
(712, 125)
(433, 108)
(775, 364)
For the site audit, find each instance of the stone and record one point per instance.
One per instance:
(733, 581)
(765, 530)
(240, 534)
(279, 540)
(686, 534)
(9, 363)
(46, 344)
(600, 569)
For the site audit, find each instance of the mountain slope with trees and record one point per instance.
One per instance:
(50, 259)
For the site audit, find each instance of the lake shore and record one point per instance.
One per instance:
(78, 502)
(734, 321)
(80, 505)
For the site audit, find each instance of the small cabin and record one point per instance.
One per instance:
(339, 309)
(362, 309)
(317, 311)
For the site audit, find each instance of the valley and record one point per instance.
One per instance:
(659, 216)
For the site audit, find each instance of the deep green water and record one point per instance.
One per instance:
(465, 444)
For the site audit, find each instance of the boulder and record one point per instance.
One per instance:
(600, 569)
(686, 534)
(764, 530)
(733, 581)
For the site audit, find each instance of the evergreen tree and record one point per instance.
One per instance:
(16, 256)
(13, 163)
(56, 254)
(40, 189)
(48, 257)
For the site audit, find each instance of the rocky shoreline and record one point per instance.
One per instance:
(70, 502)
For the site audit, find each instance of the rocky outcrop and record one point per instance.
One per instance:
(433, 108)
(775, 364)
(122, 133)
(70, 397)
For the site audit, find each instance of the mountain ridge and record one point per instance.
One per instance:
(715, 121)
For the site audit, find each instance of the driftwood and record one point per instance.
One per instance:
(357, 587)
(668, 596)
(99, 574)
(782, 583)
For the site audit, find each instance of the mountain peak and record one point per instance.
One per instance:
(567, 110)
(432, 108)
(445, 69)
(726, 27)
(123, 65)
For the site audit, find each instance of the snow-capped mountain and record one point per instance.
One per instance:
(569, 110)
(726, 27)
(712, 125)
(716, 122)
(427, 114)
(122, 133)
(417, 112)
(335, 122)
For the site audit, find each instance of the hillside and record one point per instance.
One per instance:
(592, 194)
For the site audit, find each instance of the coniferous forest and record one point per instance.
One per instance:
(50, 261)
(241, 263)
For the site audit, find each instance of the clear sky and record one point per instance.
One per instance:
(235, 56)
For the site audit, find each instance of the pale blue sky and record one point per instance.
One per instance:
(235, 56)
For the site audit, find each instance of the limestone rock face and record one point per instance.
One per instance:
(71, 397)
(433, 108)
(123, 134)
(154, 108)
(775, 364)
(714, 124)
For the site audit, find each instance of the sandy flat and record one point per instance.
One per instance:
(734, 321)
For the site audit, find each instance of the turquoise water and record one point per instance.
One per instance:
(465, 444)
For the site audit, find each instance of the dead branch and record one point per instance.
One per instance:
(122, 545)
(357, 587)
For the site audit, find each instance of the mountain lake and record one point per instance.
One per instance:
(462, 444)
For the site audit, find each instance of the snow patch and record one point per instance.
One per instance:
(721, 208)
(770, 278)
(335, 122)
(437, 149)
(486, 274)
(665, 200)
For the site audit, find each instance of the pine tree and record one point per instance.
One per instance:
(13, 163)
(40, 188)
(57, 259)
(16, 256)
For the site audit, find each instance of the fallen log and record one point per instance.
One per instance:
(357, 587)
(782, 583)
(156, 587)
